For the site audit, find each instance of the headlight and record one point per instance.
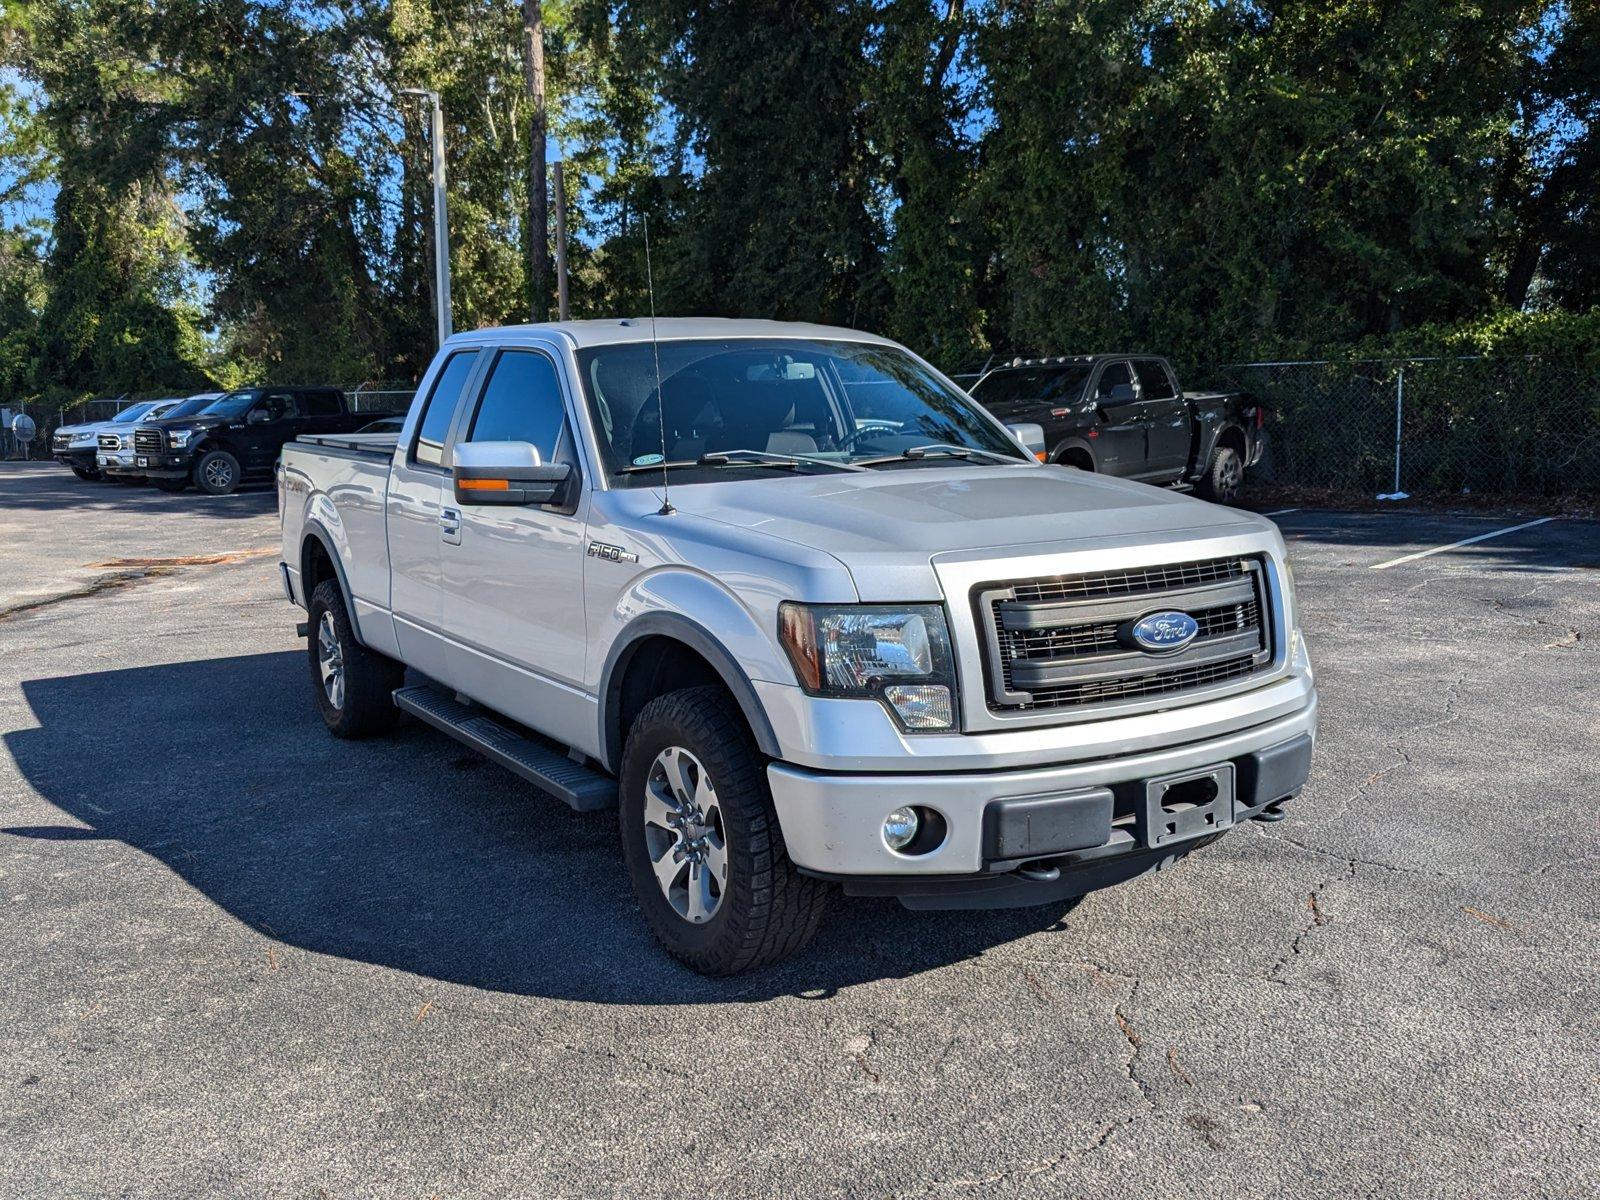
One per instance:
(899, 656)
(179, 438)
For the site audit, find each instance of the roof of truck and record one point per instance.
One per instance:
(638, 329)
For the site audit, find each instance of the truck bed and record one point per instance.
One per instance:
(375, 445)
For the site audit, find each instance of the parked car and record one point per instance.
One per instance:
(76, 446)
(805, 614)
(1126, 415)
(115, 457)
(237, 437)
(383, 425)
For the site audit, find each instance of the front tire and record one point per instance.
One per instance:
(85, 474)
(701, 840)
(354, 686)
(217, 473)
(1224, 477)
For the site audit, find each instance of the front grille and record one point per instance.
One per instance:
(147, 441)
(110, 441)
(1062, 642)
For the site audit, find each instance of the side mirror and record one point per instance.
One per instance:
(1031, 435)
(258, 416)
(507, 473)
(1121, 393)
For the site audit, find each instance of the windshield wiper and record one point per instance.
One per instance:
(739, 458)
(935, 450)
(760, 458)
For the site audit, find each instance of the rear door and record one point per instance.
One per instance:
(513, 578)
(1119, 446)
(1166, 416)
(321, 411)
(415, 509)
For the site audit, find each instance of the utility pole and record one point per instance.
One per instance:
(441, 222)
(563, 309)
(538, 187)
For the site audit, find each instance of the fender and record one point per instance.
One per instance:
(1075, 443)
(313, 530)
(698, 639)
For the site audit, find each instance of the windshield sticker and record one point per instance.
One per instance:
(649, 460)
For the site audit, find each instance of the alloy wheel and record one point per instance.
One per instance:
(219, 474)
(685, 836)
(330, 660)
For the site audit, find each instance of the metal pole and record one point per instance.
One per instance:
(563, 310)
(441, 222)
(1399, 412)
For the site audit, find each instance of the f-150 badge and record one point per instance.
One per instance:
(611, 553)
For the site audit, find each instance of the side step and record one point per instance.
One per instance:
(584, 789)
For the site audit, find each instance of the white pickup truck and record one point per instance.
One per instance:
(806, 615)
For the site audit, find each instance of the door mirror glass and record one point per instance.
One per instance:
(1121, 393)
(258, 416)
(507, 473)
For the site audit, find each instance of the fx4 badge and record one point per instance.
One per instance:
(611, 553)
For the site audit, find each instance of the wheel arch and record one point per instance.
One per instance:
(652, 647)
(319, 561)
(1073, 451)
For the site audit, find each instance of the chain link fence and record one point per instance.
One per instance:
(1428, 426)
(376, 399)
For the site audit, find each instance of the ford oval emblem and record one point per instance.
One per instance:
(1163, 632)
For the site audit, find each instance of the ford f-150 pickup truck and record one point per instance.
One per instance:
(1125, 415)
(805, 614)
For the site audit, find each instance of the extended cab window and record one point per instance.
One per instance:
(278, 406)
(442, 401)
(521, 403)
(1153, 381)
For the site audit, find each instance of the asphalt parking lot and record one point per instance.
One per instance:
(239, 958)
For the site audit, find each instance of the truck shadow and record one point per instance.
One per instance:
(406, 852)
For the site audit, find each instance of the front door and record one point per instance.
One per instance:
(268, 425)
(513, 579)
(1119, 445)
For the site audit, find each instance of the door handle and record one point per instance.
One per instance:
(450, 525)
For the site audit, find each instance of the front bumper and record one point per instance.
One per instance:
(119, 462)
(165, 465)
(1088, 820)
(80, 457)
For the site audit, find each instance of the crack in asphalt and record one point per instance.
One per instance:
(1130, 1067)
(1027, 1170)
(128, 572)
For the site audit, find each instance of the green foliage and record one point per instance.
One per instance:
(238, 190)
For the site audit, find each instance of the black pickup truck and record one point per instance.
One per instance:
(1124, 414)
(237, 437)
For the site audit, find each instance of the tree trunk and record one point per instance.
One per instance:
(538, 189)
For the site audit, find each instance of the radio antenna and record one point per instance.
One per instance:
(666, 509)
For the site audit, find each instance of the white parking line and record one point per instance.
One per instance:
(1282, 512)
(1482, 537)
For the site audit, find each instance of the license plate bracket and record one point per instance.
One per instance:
(1187, 805)
(144, 462)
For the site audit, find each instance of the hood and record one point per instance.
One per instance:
(85, 428)
(192, 422)
(888, 526)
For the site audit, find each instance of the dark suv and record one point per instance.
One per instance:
(237, 437)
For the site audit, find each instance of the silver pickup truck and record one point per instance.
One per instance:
(805, 615)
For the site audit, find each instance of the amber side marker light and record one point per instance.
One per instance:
(485, 485)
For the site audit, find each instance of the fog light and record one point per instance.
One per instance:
(900, 828)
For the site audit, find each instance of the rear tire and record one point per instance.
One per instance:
(217, 473)
(170, 485)
(693, 798)
(1224, 477)
(354, 686)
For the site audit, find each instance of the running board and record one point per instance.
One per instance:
(577, 785)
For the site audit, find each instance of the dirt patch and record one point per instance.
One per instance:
(190, 560)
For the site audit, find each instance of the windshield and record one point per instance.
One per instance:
(1032, 384)
(188, 408)
(838, 402)
(133, 412)
(231, 405)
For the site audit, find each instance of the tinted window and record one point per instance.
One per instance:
(321, 404)
(1153, 381)
(1029, 384)
(442, 400)
(279, 406)
(231, 405)
(521, 403)
(1117, 373)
